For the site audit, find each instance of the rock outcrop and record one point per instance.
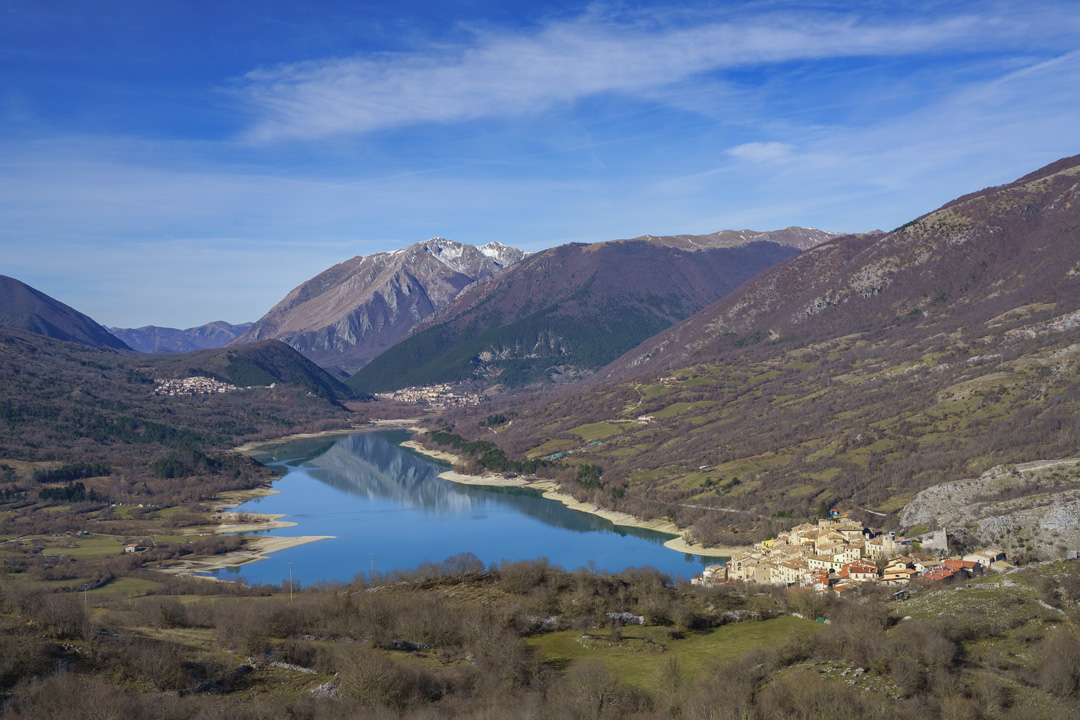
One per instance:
(350, 313)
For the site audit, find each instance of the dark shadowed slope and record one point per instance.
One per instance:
(256, 364)
(25, 308)
(565, 312)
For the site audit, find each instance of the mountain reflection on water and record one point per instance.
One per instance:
(374, 465)
(386, 506)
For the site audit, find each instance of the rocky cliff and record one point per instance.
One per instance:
(350, 313)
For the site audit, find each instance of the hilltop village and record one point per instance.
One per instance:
(196, 385)
(839, 554)
(436, 397)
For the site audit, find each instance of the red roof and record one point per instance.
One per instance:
(939, 574)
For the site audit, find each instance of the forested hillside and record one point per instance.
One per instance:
(64, 402)
(564, 313)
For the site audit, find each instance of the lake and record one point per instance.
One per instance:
(379, 499)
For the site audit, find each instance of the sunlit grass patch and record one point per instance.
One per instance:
(86, 548)
(636, 656)
(553, 446)
(895, 503)
(596, 431)
(653, 391)
(126, 587)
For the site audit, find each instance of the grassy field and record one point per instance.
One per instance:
(89, 547)
(128, 587)
(596, 431)
(637, 655)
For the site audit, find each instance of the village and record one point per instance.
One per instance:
(839, 554)
(191, 386)
(436, 397)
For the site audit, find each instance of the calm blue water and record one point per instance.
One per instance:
(380, 499)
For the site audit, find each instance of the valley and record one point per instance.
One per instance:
(922, 380)
(540, 361)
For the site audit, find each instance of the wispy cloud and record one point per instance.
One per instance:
(762, 151)
(906, 163)
(512, 73)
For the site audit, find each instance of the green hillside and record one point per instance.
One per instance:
(257, 364)
(539, 346)
(564, 313)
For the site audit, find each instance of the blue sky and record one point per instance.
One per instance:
(172, 163)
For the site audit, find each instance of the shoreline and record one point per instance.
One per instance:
(549, 490)
(259, 547)
(370, 426)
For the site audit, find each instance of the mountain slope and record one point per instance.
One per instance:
(64, 401)
(25, 308)
(348, 314)
(155, 340)
(973, 259)
(565, 312)
(260, 363)
(799, 238)
(857, 373)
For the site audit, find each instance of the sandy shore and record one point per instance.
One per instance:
(254, 549)
(231, 498)
(549, 489)
(370, 426)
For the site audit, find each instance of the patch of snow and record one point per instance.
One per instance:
(502, 255)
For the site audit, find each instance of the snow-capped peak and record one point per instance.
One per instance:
(502, 255)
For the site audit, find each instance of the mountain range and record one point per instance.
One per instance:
(565, 312)
(347, 315)
(158, 340)
(860, 371)
(28, 313)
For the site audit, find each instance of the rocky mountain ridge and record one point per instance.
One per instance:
(564, 312)
(348, 314)
(1028, 507)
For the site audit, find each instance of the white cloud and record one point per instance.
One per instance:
(762, 151)
(509, 74)
(902, 165)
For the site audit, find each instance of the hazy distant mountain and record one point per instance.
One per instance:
(158, 340)
(350, 313)
(565, 312)
(25, 308)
